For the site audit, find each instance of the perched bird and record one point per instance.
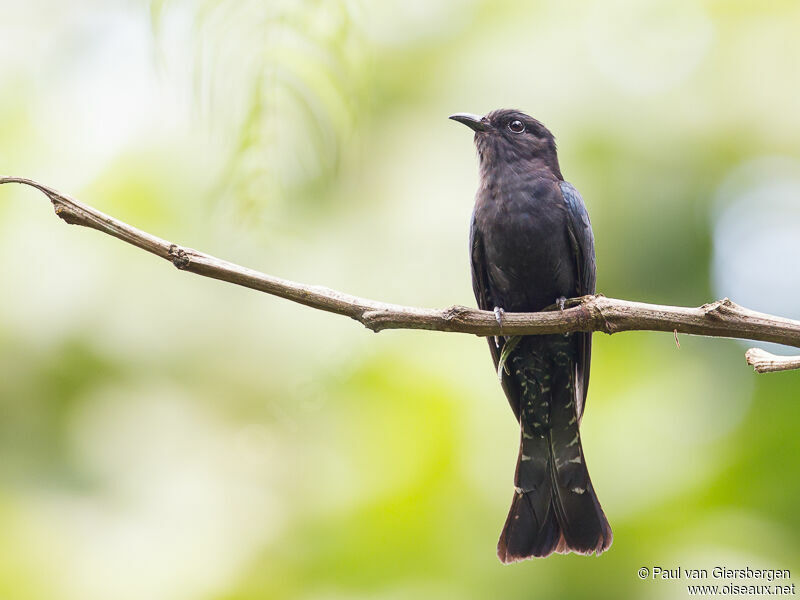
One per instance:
(531, 247)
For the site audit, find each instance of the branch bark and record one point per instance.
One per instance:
(722, 318)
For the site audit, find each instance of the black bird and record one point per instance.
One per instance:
(531, 246)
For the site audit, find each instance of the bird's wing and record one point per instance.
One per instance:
(480, 278)
(483, 294)
(580, 230)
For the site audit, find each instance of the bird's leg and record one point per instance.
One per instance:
(498, 316)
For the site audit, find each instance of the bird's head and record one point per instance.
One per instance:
(508, 136)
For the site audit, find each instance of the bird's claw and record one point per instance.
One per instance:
(499, 313)
(498, 316)
(561, 302)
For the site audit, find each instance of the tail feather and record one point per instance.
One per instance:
(527, 533)
(555, 508)
(583, 522)
(531, 528)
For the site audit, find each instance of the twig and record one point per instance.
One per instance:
(722, 318)
(765, 362)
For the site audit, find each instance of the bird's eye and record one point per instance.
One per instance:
(516, 126)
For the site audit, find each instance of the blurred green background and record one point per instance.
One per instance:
(164, 436)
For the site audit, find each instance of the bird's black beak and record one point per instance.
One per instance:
(474, 122)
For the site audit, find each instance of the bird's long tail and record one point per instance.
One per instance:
(555, 508)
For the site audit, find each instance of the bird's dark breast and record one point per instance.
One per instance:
(523, 224)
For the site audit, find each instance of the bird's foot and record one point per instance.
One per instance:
(563, 303)
(499, 313)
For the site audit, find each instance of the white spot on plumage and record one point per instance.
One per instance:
(578, 490)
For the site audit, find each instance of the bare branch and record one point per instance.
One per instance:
(765, 362)
(722, 318)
